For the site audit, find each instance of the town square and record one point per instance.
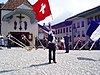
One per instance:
(49, 37)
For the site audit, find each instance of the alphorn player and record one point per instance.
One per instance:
(9, 42)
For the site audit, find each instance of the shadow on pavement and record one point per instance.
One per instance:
(3, 71)
(1, 49)
(83, 58)
(36, 65)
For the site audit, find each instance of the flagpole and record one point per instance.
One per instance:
(92, 45)
(51, 16)
(50, 11)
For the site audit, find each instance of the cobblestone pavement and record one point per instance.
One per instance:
(18, 61)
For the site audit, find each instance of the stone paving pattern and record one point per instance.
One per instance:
(18, 61)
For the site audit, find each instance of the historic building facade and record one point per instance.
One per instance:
(62, 29)
(17, 18)
(78, 28)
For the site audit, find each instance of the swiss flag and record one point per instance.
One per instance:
(42, 9)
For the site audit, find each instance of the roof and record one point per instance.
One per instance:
(86, 13)
(62, 24)
(27, 12)
(44, 28)
(89, 12)
(13, 4)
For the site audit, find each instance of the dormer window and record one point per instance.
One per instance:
(25, 23)
(15, 25)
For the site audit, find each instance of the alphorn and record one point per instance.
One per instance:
(20, 43)
(41, 43)
(29, 41)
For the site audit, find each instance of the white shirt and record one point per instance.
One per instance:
(54, 39)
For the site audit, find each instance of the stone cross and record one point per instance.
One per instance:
(20, 20)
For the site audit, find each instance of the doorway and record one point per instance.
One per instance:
(18, 35)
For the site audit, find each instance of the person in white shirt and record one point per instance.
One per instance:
(2, 40)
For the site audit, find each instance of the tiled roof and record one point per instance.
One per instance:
(13, 4)
(43, 27)
(86, 13)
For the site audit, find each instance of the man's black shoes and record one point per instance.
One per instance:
(66, 52)
(50, 62)
(55, 62)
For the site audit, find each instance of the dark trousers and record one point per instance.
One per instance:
(67, 48)
(9, 44)
(52, 50)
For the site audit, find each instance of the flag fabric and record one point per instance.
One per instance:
(42, 9)
(96, 34)
(93, 31)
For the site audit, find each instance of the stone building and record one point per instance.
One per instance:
(17, 18)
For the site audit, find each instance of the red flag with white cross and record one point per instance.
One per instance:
(42, 9)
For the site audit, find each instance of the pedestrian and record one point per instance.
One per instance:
(98, 44)
(62, 44)
(52, 47)
(66, 41)
(45, 42)
(79, 44)
(89, 44)
(1, 40)
(9, 42)
(36, 42)
(23, 40)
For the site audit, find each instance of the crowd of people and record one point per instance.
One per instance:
(63, 44)
(51, 43)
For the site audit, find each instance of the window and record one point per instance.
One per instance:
(15, 25)
(83, 33)
(97, 18)
(82, 23)
(78, 24)
(67, 29)
(58, 31)
(74, 26)
(63, 30)
(89, 20)
(70, 29)
(54, 32)
(74, 35)
(58, 39)
(78, 33)
(25, 23)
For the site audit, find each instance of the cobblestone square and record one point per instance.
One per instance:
(18, 61)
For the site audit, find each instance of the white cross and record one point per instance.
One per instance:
(43, 6)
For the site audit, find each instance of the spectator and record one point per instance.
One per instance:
(66, 39)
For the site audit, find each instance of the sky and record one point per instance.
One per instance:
(63, 9)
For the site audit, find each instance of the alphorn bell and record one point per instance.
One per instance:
(29, 41)
(20, 43)
(41, 43)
